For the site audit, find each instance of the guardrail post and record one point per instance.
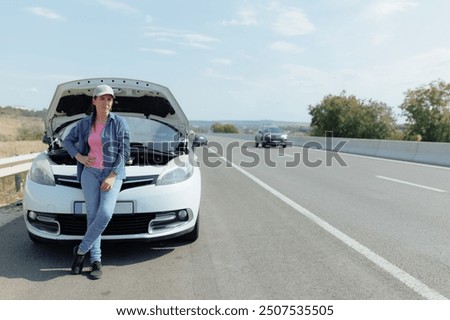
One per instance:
(18, 180)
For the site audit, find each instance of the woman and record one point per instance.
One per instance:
(100, 143)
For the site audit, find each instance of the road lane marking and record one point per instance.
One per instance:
(379, 158)
(410, 184)
(401, 275)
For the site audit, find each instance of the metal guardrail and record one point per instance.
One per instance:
(434, 153)
(15, 165)
(421, 152)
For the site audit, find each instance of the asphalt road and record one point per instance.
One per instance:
(275, 224)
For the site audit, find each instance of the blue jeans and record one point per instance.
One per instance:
(100, 208)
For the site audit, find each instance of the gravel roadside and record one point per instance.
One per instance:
(10, 212)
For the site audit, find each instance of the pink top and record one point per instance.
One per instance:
(95, 144)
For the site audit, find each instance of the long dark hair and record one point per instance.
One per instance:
(93, 115)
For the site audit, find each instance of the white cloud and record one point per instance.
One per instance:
(385, 82)
(284, 46)
(302, 76)
(385, 8)
(46, 13)
(198, 40)
(164, 52)
(245, 17)
(293, 22)
(287, 21)
(117, 6)
(221, 61)
(212, 73)
(181, 37)
(428, 66)
(148, 19)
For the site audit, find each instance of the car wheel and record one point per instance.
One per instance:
(256, 144)
(193, 235)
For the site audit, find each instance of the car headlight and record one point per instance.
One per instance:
(177, 171)
(41, 171)
(284, 136)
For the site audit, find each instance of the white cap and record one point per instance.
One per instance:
(103, 89)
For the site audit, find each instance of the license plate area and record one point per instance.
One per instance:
(122, 207)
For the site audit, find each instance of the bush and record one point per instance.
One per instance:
(29, 133)
(224, 128)
(349, 117)
(427, 110)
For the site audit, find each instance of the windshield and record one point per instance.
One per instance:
(273, 130)
(147, 130)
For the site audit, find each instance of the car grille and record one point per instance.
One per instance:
(120, 224)
(128, 183)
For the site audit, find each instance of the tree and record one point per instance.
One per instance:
(224, 128)
(427, 112)
(349, 117)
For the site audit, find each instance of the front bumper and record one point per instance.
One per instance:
(158, 212)
(275, 141)
(139, 226)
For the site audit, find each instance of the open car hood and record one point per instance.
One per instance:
(72, 100)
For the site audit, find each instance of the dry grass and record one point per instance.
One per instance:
(8, 193)
(9, 147)
(11, 125)
(15, 148)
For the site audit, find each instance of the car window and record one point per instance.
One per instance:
(272, 130)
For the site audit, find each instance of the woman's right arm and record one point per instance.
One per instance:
(71, 140)
(72, 145)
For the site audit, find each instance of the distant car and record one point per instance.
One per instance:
(270, 136)
(160, 197)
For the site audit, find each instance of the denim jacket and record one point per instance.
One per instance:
(115, 140)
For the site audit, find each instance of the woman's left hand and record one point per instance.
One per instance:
(108, 183)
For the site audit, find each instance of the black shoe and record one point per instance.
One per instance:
(96, 271)
(77, 264)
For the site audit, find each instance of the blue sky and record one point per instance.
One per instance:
(227, 59)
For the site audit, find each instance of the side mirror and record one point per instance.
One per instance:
(199, 141)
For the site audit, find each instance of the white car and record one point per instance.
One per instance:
(160, 196)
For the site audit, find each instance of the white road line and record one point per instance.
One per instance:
(434, 166)
(54, 269)
(410, 184)
(404, 277)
